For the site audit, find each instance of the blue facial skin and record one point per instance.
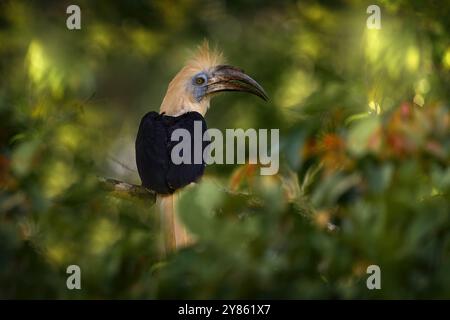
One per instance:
(199, 84)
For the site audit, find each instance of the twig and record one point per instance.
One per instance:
(124, 189)
(121, 164)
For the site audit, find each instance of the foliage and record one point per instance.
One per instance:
(364, 124)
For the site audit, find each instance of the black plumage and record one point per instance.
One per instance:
(154, 147)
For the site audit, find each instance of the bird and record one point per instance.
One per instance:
(187, 100)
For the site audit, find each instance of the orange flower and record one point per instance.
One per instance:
(243, 173)
(332, 149)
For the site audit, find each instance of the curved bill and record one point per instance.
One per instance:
(229, 78)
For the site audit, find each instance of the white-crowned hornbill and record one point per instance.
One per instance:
(187, 100)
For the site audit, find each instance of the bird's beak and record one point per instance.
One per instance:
(229, 78)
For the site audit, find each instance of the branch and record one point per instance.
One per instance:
(121, 164)
(123, 189)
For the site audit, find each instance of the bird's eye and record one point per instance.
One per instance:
(199, 80)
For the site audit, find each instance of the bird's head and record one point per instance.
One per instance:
(202, 77)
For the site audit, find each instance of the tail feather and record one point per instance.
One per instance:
(175, 235)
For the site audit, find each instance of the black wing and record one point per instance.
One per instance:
(154, 147)
(152, 157)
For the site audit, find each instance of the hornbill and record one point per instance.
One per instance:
(187, 99)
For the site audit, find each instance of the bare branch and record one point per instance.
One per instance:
(121, 164)
(124, 189)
